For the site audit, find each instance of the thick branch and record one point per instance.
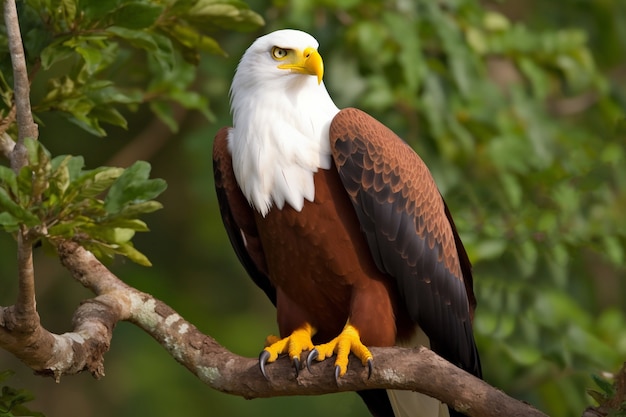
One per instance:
(21, 332)
(21, 86)
(83, 349)
(415, 369)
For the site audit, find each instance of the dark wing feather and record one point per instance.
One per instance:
(238, 217)
(409, 231)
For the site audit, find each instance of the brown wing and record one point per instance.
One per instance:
(238, 216)
(410, 234)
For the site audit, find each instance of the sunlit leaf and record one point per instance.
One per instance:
(128, 250)
(136, 209)
(133, 187)
(92, 183)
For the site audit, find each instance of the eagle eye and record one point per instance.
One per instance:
(279, 53)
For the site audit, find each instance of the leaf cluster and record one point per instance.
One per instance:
(81, 49)
(57, 199)
(13, 401)
(610, 394)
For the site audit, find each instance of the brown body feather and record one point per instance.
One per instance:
(318, 260)
(377, 246)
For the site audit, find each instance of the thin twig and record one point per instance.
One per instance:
(27, 318)
(21, 86)
(21, 319)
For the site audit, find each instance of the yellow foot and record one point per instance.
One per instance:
(347, 341)
(294, 344)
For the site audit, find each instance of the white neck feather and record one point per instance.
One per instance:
(280, 138)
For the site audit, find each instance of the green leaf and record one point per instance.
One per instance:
(128, 250)
(37, 154)
(117, 235)
(138, 38)
(226, 14)
(95, 9)
(55, 52)
(136, 15)
(6, 374)
(109, 115)
(136, 209)
(12, 400)
(92, 56)
(67, 229)
(607, 387)
(8, 179)
(92, 183)
(132, 187)
(125, 223)
(598, 397)
(9, 223)
(80, 117)
(60, 179)
(194, 40)
(15, 210)
(102, 251)
(75, 166)
(69, 9)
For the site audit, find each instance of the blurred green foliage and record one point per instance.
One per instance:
(12, 401)
(518, 108)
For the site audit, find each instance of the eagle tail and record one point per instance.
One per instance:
(415, 404)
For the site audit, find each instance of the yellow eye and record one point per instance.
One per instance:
(279, 53)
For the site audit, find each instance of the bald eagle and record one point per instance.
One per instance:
(340, 223)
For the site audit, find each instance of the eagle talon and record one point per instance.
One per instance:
(263, 358)
(370, 367)
(292, 345)
(313, 354)
(337, 373)
(296, 365)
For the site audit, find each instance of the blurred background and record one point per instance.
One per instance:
(518, 108)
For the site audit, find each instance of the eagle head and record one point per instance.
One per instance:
(281, 116)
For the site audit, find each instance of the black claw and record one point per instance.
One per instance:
(370, 367)
(311, 357)
(296, 364)
(337, 371)
(263, 357)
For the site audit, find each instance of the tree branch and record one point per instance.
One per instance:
(414, 369)
(21, 86)
(25, 308)
(409, 369)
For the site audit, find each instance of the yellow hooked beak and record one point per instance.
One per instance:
(308, 62)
